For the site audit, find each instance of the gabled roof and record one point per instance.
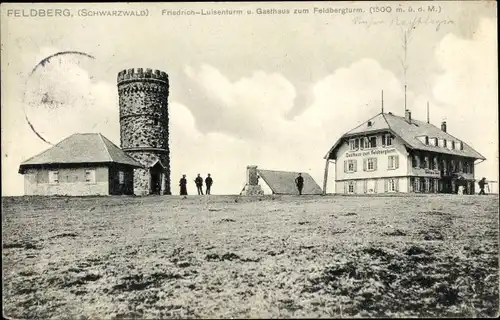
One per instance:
(409, 133)
(283, 182)
(378, 123)
(81, 148)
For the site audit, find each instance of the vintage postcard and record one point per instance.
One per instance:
(250, 160)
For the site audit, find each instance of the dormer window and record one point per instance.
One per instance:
(372, 142)
(426, 140)
(369, 123)
(461, 145)
(442, 143)
(352, 145)
(386, 140)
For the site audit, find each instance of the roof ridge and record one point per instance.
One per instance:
(363, 123)
(388, 124)
(281, 170)
(50, 148)
(105, 146)
(104, 138)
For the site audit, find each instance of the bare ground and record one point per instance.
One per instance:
(237, 257)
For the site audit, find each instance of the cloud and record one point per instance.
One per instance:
(240, 108)
(467, 89)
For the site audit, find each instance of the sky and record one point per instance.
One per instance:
(274, 90)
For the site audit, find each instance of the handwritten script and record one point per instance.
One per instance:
(399, 22)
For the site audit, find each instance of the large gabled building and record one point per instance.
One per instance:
(82, 164)
(389, 153)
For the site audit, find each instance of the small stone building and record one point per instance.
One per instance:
(81, 165)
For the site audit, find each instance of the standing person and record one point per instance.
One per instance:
(299, 181)
(208, 182)
(199, 184)
(482, 183)
(183, 185)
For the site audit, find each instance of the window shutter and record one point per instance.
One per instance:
(375, 164)
(375, 188)
(396, 162)
(355, 186)
(365, 164)
(345, 166)
(386, 185)
(397, 184)
(365, 183)
(345, 187)
(383, 140)
(355, 165)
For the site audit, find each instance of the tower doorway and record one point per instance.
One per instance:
(156, 173)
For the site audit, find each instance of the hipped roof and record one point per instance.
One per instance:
(81, 148)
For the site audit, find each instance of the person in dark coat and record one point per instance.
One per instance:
(183, 185)
(482, 183)
(199, 184)
(299, 181)
(208, 183)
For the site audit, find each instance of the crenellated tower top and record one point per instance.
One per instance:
(139, 74)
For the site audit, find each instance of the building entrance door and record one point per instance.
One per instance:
(370, 186)
(446, 185)
(156, 175)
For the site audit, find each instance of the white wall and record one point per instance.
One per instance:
(379, 185)
(36, 183)
(382, 161)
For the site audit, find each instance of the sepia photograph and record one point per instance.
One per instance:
(220, 160)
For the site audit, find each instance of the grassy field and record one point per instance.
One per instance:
(237, 257)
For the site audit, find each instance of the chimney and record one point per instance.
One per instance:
(252, 175)
(408, 115)
(443, 126)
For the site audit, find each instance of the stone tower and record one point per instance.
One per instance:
(143, 100)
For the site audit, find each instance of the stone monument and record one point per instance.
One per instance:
(252, 187)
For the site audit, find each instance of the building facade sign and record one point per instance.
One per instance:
(374, 152)
(420, 172)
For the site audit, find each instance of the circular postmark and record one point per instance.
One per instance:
(52, 90)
